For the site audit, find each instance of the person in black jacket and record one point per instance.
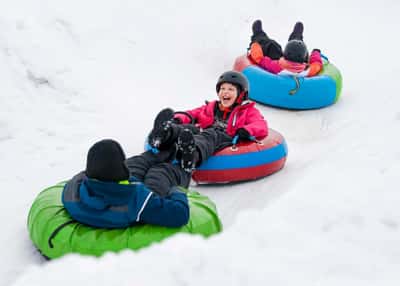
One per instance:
(112, 191)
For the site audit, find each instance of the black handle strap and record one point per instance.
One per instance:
(57, 230)
(192, 121)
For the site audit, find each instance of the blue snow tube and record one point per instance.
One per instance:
(292, 92)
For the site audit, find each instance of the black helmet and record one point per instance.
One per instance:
(296, 51)
(235, 78)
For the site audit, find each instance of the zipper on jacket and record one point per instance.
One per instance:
(234, 119)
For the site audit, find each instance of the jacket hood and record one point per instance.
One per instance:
(98, 194)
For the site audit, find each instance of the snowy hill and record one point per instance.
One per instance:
(74, 72)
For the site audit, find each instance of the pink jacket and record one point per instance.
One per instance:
(281, 66)
(245, 116)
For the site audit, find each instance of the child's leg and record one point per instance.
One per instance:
(209, 141)
(139, 165)
(270, 47)
(162, 177)
(194, 149)
(164, 136)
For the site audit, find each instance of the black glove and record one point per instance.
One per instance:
(243, 134)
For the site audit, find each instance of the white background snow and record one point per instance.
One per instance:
(73, 72)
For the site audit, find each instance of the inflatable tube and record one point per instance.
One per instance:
(55, 234)
(246, 161)
(290, 92)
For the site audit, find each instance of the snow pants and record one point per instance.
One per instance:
(271, 48)
(207, 141)
(160, 174)
(157, 172)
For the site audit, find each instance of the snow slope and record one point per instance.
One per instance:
(74, 72)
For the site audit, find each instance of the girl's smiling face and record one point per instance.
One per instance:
(227, 94)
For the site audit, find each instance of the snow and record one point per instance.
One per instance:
(74, 72)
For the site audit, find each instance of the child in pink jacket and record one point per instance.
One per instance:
(212, 126)
(294, 60)
(232, 113)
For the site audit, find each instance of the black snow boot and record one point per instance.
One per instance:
(259, 35)
(162, 129)
(257, 27)
(297, 33)
(187, 153)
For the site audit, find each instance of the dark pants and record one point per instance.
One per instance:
(157, 172)
(207, 141)
(271, 48)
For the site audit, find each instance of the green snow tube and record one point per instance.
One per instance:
(55, 233)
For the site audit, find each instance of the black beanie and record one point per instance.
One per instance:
(106, 162)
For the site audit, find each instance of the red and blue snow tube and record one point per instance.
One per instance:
(244, 161)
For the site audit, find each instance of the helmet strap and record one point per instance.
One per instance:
(241, 97)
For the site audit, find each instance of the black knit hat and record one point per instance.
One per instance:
(106, 162)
